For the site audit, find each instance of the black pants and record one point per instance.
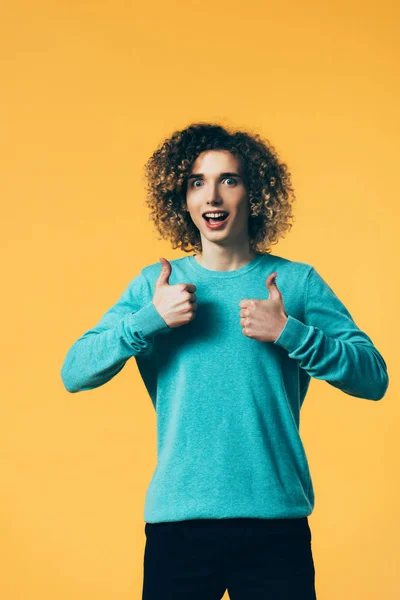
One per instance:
(200, 559)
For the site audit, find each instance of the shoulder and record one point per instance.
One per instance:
(292, 267)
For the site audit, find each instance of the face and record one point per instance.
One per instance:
(216, 184)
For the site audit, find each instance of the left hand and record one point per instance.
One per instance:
(264, 320)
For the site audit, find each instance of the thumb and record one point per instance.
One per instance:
(166, 270)
(271, 285)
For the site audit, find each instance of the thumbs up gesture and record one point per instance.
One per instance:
(176, 303)
(264, 320)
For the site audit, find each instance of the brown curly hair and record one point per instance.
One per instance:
(267, 181)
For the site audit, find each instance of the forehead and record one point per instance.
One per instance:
(211, 161)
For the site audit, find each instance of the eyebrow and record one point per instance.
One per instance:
(199, 175)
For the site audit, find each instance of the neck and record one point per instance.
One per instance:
(223, 260)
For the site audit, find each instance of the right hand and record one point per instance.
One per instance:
(176, 303)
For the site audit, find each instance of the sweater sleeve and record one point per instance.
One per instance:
(126, 329)
(330, 346)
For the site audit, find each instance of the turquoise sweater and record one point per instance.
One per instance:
(228, 406)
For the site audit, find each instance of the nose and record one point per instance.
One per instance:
(213, 196)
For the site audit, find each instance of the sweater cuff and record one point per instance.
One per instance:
(293, 335)
(147, 320)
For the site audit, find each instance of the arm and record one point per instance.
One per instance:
(125, 330)
(330, 346)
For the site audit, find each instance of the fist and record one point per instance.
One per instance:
(176, 303)
(264, 320)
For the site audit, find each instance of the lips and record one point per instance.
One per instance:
(216, 224)
(215, 212)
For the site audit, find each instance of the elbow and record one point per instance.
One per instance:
(68, 381)
(373, 390)
(69, 387)
(377, 389)
(382, 388)
(75, 384)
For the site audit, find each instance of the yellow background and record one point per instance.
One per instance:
(88, 90)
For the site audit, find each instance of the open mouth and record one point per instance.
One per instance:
(217, 220)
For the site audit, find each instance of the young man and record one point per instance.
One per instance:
(227, 340)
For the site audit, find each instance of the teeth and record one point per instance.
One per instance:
(214, 214)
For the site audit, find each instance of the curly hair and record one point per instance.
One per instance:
(268, 184)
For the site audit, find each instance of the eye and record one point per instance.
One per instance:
(226, 179)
